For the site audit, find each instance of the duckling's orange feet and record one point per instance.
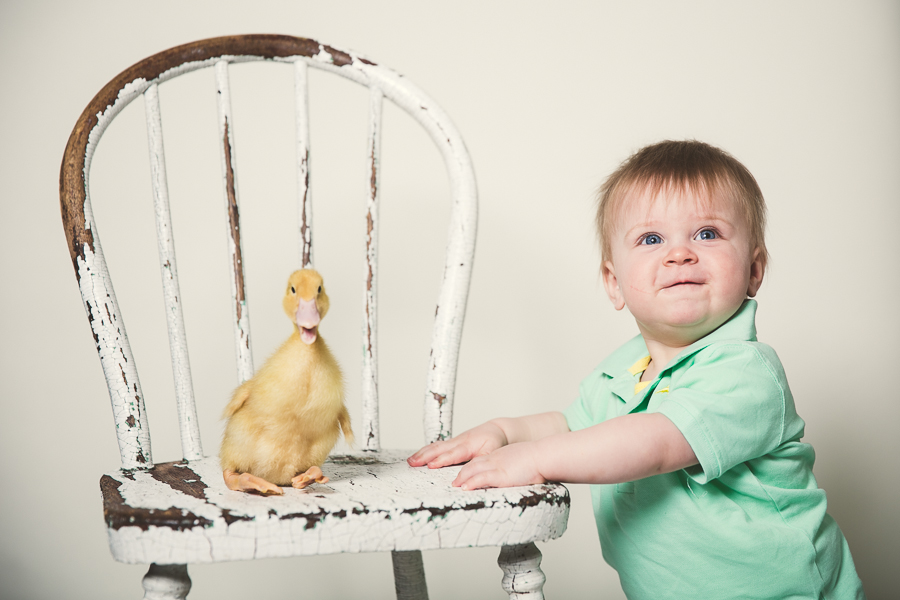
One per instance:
(245, 482)
(304, 479)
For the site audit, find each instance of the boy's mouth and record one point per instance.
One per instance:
(682, 284)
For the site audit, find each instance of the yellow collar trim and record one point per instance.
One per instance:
(642, 384)
(640, 366)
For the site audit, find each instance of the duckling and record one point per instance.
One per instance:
(283, 422)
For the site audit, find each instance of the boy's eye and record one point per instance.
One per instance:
(707, 234)
(651, 239)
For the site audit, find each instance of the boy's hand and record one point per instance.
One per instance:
(509, 466)
(472, 443)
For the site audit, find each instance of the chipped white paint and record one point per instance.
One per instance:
(181, 366)
(461, 240)
(371, 431)
(374, 502)
(368, 506)
(304, 194)
(522, 575)
(132, 429)
(116, 358)
(239, 306)
(166, 582)
(450, 313)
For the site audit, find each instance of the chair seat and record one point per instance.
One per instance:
(181, 512)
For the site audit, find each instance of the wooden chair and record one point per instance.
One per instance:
(170, 514)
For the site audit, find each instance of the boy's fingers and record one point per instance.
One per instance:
(484, 479)
(476, 466)
(453, 456)
(424, 455)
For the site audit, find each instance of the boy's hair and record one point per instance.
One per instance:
(684, 166)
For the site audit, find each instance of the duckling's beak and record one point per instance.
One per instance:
(307, 319)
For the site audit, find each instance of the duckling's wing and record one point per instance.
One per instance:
(237, 400)
(344, 420)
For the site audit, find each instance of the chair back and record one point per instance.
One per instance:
(93, 277)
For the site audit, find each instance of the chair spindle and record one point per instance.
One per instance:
(301, 96)
(240, 308)
(371, 433)
(181, 367)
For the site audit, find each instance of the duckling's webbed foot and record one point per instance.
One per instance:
(313, 473)
(245, 482)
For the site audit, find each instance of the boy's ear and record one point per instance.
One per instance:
(611, 283)
(757, 271)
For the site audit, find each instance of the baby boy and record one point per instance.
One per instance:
(688, 432)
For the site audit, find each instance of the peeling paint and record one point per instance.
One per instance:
(182, 512)
(234, 221)
(81, 231)
(175, 517)
(179, 476)
(370, 297)
(119, 515)
(301, 110)
(240, 311)
(181, 369)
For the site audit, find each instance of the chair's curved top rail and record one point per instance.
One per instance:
(132, 82)
(90, 267)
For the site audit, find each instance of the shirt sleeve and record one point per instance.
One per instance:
(730, 406)
(590, 407)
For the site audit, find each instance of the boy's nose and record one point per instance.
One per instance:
(680, 255)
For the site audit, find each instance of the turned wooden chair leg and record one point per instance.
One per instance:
(409, 576)
(166, 582)
(522, 575)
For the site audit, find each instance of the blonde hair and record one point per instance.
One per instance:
(681, 167)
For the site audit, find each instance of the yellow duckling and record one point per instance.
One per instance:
(283, 422)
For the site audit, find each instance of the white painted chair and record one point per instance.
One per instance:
(170, 514)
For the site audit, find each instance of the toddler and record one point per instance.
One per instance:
(688, 432)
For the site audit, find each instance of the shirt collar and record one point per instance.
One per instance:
(741, 326)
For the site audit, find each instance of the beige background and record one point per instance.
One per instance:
(549, 100)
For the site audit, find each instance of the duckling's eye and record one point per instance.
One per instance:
(651, 239)
(293, 291)
(707, 234)
(320, 289)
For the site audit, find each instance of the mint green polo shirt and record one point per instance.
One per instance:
(749, 521)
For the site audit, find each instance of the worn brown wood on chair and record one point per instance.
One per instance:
(170, 514)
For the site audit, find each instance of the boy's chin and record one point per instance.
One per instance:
(682, 329)
(688, 326)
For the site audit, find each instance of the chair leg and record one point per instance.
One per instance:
(166, 582)
(409, 576)
(522, 575)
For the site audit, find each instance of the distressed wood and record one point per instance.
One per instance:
(175, 513)
(166, 582)
(371, 431)
(107, 325)
(240, 309)
(85, 252)
(522, 575)
(183, 513)
(181, 367)
(409, 576)
(301, 103)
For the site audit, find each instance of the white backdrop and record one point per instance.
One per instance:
(549, 100)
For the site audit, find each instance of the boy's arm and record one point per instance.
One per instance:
(621, 449)
(488, 437)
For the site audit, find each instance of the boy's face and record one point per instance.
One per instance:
(682, 266)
